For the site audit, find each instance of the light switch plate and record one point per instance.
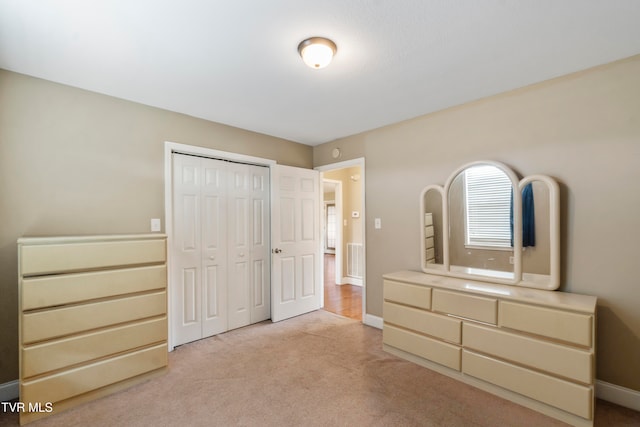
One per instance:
(377, 223)
(155, 224)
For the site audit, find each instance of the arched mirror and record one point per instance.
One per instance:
(490, 225)
(481, 239)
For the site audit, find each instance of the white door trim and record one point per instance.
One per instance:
(169, 148)
(347, 164)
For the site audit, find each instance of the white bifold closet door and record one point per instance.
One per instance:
(220, 253)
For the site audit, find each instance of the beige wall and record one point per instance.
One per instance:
(76, 162)
(583, 130)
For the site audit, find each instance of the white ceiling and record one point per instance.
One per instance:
(236, 62)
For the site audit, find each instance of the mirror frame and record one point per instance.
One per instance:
(519, 278)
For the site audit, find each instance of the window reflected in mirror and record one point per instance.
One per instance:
(480, 221)
(487, 197)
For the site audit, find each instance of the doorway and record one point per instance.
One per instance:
(344, 267)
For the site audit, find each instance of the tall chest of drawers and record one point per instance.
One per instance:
(92, 317)
(534, 347)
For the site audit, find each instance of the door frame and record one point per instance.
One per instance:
(339, 222)
(343, 165)
(169, 149)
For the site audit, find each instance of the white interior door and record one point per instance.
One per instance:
(248, 230)
(214, 247)
(220, 257)
(260, 244)
(239, 256)
(199, 248)
(295, 227)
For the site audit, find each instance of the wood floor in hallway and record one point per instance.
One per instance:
(344, 300)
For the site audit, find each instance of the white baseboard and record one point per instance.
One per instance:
(350, 281)
(371, 320)
(9, 391)
(619, 395)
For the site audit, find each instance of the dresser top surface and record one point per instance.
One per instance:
(56, 240)
(554, 299)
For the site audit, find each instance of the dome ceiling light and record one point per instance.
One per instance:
(317, 52)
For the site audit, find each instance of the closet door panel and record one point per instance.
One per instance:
(240, 230)
(186, 271)
(222, 226)
(214, 240)
(260, 245)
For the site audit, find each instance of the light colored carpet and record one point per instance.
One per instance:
(319, 369)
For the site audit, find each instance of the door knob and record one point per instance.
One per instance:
(276, 251)
(212, 257)
(241, 254)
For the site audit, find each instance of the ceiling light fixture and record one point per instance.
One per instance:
(317, 52)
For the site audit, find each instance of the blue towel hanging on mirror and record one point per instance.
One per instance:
(528, 217)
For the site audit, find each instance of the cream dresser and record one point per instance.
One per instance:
(93, 317)
(531, 346)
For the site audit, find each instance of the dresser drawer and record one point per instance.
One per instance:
(42, 325)
(47, 259)
(60, 289)
(431, 253)
(429, 243)
(404, 293)
(428, 231)
(556, 359)
(77, 381)
(427, 348)
(436, 325)
(58, 354)
(566, 326)
(565, 395)
(465, 305)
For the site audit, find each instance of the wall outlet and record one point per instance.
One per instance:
(155, 224)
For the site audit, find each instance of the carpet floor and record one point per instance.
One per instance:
(318, 369)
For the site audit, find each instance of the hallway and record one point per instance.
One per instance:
(344, 300)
